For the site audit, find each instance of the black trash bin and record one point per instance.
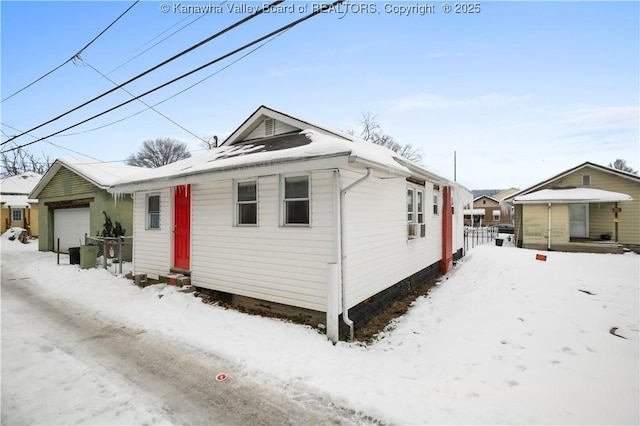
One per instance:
(74, 255)
(499, 241)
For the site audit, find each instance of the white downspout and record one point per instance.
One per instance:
(345, 308)
(549, 227)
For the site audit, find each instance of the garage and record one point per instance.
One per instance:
(70, 226)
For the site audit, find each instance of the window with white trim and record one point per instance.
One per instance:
(586, 180)
(153, 211)
(296, 200)
(435, 202)
(496, 215)
(247, 202)
(16, 215)
(415, 213)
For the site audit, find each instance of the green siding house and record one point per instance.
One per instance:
(72, 196)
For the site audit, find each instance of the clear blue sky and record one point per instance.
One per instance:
(521, 90)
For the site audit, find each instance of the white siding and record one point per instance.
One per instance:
(279, 264)
(152, 248)
(377, 251)
(281, 128)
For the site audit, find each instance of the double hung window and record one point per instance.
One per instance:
(153, 211)
(296, 200)
(247, 203)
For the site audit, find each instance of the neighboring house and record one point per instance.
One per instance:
(493, 214)
(285, 213)
(18, 210)
(72, 196)
(473, 217)
(576, 208)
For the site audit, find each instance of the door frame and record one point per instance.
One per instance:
(586, 220)
(176, 264)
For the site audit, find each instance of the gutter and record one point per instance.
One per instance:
(342, 260)
(185, 177)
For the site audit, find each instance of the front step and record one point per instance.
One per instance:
(179, 280)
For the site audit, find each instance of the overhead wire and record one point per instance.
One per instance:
(163, 63)
(49, 142)
(233, 52)
(144, 103)
(76, 54)
(164, 39)
(177, 93)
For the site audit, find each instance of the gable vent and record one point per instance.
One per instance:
(269, 126)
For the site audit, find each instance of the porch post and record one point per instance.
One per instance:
(615, 221)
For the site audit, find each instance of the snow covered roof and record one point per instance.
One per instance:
(101, 175)
(474, 212)
(236, 157)
(14, 201)
(571, 195)
(20, 184)
(586, 164)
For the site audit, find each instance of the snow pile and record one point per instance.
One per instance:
(10, 241)
(504, 338)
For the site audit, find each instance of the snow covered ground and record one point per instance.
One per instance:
(503, 339)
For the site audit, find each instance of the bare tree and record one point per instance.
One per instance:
(621, 164)
(158, 152)
(21, 161)
(371, 131)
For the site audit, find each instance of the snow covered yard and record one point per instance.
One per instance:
(504, 339)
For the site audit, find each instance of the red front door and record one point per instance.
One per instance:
(182, 227)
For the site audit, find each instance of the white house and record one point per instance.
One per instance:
(297, 215)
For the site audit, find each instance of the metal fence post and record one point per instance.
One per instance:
(120, 240)
(104, 252)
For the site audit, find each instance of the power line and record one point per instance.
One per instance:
(184, 52)
(279, 30)
(48, 141)
(71, 58)
(178, 93)
(164, 39)
(143, 102)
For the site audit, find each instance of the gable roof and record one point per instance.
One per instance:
(487, 197)
(505, 193)
(101, 175)
(263, 112)
(586, 164)
(306, 142)
(20, 184)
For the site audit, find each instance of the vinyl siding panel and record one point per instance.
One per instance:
(152, 247)
(600, 214)
(66, 185)
(377, 251)
(270, 262)
(536, 224)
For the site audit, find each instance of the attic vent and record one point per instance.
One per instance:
(269, 126)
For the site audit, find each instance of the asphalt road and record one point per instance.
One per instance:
(178, 376)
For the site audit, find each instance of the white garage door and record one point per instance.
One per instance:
(70, 225)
